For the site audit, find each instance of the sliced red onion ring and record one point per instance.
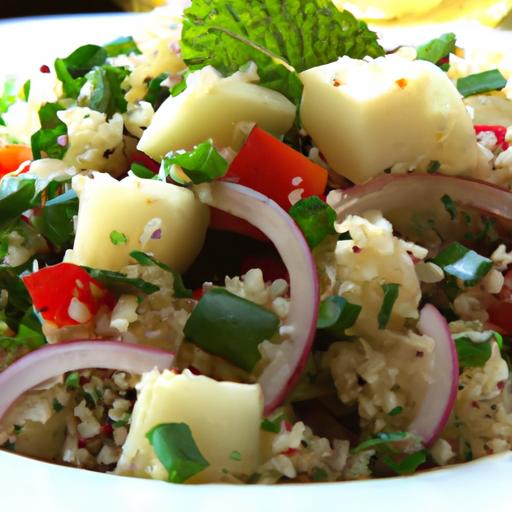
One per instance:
(283, 371)
(437, 405)
(54, 360)
(392, 191)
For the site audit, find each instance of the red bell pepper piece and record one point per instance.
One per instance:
(498, 130)
(276, 170)
(53, 288)
(12, 156)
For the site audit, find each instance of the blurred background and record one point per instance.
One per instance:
(15, 8)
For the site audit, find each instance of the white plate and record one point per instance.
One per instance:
(26, 484)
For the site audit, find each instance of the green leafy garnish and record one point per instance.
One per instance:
(449, 206)
(230, 327)
(437, 49)
(156, 93)
(382, 438)
(107, 95)
(177, 451)
(17, 194)
(471, 354)
(406, 465)
(319, 475)
(499, 339)
(72, 381)
(118, 238)
(144, 259)
(272, 425)
(55, 220)
(200, 165)
(315, 218)
(51, 138)
(396, 411)
(463, 263)
(336, 314)
(57, 406)
(391, 291)
(118, 282)
(235, 455)
(8, 97)
(141, 171)
(433, 166)
(479, 83)
(282, 38)
(122, 46)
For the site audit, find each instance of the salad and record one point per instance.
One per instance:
(250, 245)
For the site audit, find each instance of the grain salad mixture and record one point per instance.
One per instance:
(249, 245)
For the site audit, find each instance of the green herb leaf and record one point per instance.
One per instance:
(319, 475)
(120, 283)
(177, 451)
(463, 263)
(471, 354)
(315, 218)
(122, 46)
(57, 406)
(396, 411)
(8, 97)
(26, 90)
(437, 49)
(17, 195)
(156, 93)
(55, 220)
(499, 339)
(144, 259)
(449, 206)
(235, 455)
(142, 171)
(479, 83)
(407, 465)
(433, 166)
(72, 381)
(336, 314)
(200, 165)
(275, 35)
(391, 291)
(107, 95)
(51, 138)
(272, 425)
(228, 326)
(382, 438)
(118, 238)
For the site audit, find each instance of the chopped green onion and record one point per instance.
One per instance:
(499, 339)
(471, 354)
(144, 259)
(396, 411)
(141, 171)
(479, 83)
(437, 49)
(230, 327)
(315, 218)
(463, 263)
(72, 381)
(449, 206)
(272, 425)
(202, 164)
(382, 438)
(391, 291)
(118, 282)
(118, 238)
(336, 314)
(176, 449)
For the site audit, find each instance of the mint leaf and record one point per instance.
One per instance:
(463, 263)
(282, 38)
(230, 327)
(315, 218)
(51, 138)
(107, 94)
(471, 354)
(177, 451)
(479, 83)
(391, 291)
(202, 164)
(122, 46)
(144, 259)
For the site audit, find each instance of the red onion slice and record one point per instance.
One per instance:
(437, 405)
(282, 372)
(54, 360)
(389, 192)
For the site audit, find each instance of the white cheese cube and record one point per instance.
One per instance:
(224, 417)
(367, 116)
(211, 107)
(156, 217)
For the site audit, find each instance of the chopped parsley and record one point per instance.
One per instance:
(396, 411)
(391, 291)
(479, 83)
(449, 206)
(57, 406)
(272, 425)
(118, 238)
(235, 455)
(72, 381)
